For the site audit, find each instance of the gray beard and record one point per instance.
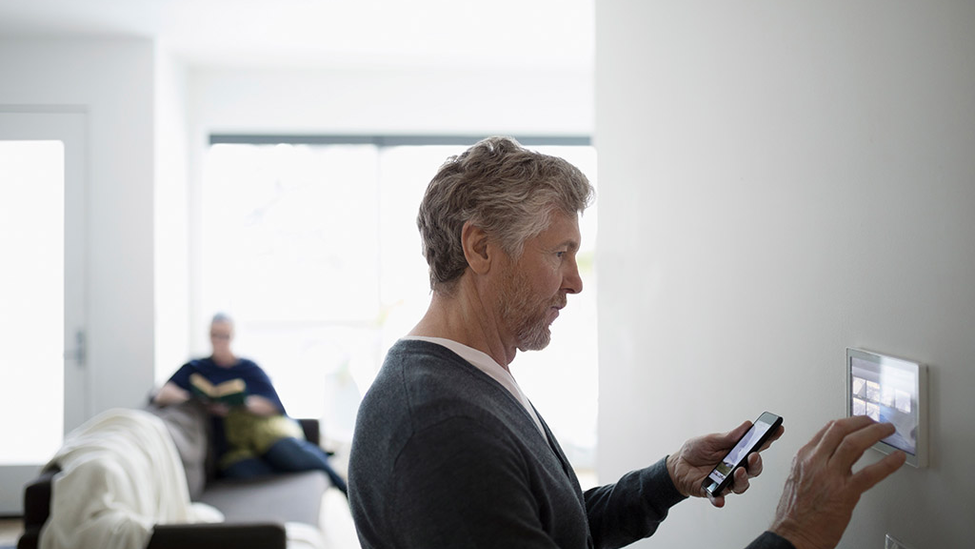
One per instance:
(531, 329)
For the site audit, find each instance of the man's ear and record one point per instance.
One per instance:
(476, 249)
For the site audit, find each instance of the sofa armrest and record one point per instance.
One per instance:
(30, 538)
(37, 507)
(37, 498)
(312, 430)
(218, 536)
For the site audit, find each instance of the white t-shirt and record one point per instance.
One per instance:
(483, 362)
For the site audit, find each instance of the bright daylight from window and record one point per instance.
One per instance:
(32, 298)
(314, 250)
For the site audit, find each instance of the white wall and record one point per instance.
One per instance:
(786, 180)
(171, 205)
(112, 81)
(407, 101)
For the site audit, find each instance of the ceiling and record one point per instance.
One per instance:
(351, 33)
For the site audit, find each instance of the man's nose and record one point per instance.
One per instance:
(573, 281)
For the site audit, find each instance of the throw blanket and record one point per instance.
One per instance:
(120, 475)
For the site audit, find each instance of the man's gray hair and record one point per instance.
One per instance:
(508, 191)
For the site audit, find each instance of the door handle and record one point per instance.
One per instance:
(78, 353)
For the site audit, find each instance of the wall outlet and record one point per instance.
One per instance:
(892, 543)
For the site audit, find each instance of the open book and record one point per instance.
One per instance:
(232, 392)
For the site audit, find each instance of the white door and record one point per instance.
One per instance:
(43, 388)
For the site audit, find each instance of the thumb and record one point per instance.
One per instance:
(733, 435)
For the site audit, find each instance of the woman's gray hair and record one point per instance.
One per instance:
(221, 318)
(508, 191)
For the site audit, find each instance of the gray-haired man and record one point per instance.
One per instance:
(448, 451)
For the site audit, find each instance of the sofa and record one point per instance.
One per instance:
(256, 510)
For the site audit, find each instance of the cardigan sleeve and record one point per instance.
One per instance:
(633, 507)
(768, 540)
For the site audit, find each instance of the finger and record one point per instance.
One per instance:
(778, 434)
(856, 443)
(754, 465)
(740, 482)
(814, 441)
(716, 445)
(837, 430)
(732, 437)
(717, 501)
(870, 475)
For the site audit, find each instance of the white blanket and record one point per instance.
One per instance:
(120, 475)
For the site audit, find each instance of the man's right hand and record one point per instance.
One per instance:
(822, 489)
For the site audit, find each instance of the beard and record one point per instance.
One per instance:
(525, 315)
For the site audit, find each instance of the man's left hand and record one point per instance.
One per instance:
(698, 456)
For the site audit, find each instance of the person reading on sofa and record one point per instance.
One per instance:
(252, 428)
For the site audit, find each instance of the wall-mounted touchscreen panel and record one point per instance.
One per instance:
(891, 390)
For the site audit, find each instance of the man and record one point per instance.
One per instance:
(448, 452)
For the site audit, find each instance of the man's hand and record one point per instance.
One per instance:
(822, 489)
(689, 466)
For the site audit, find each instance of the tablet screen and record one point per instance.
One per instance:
(888, 390)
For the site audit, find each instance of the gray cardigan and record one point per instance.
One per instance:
(444, 456)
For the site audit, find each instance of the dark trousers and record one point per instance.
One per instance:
(287, 455)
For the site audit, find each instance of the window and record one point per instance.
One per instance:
(313, 249)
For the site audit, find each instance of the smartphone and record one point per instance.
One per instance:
(764, 427)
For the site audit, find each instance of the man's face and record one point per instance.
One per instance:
(534, 288)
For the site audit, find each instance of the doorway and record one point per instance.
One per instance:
(42, 290)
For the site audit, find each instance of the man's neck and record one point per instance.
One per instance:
(462, 317)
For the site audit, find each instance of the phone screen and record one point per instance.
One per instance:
(752, 439)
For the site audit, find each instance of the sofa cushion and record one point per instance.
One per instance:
(285, 497)
(189, 425)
